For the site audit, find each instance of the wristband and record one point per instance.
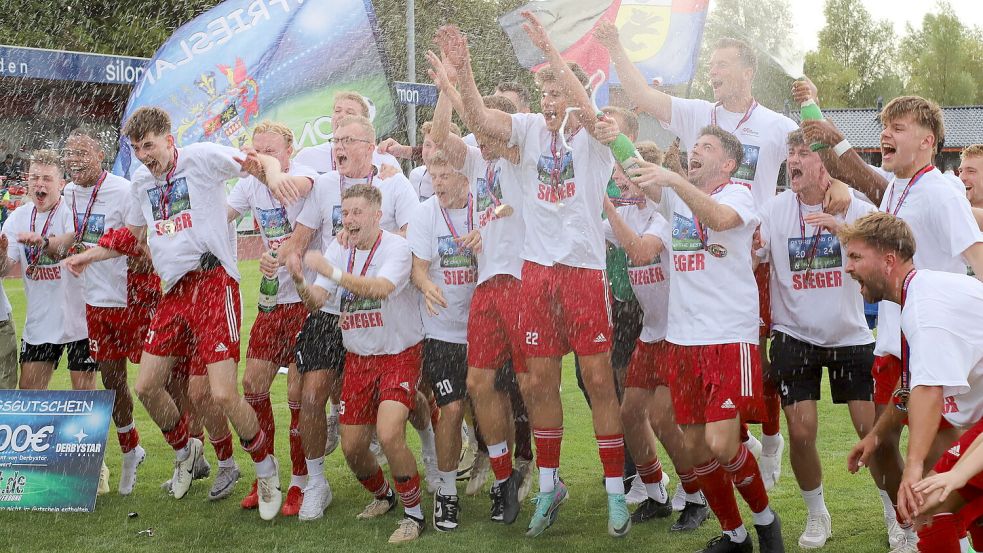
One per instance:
(842, 147)
(336, 274)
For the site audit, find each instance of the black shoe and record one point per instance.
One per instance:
(510, 497)
(444, 512)
(650, 509)
(497, 506)
(692, 516)
(722, 544)
(770, 537)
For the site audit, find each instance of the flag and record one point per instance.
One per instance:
(662, 37)
(243, 61)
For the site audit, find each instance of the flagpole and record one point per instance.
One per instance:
(411, 69)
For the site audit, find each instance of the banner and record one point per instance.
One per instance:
(248, 60)
(662, 37)
(52, 445)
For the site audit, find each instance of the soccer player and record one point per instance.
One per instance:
(383, 335)
(563, 302)
(182, 198)
(711, 326)
(762, 134)
(514, 92)
(971, 175)
(321, 158)
(281, 315)
(818, 320)
(942, 364)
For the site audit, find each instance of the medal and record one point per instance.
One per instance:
(168, 227)
(34, 253)
(503, 210)
(900, 397)
(902, 394)
(77, 248)
(716, 250)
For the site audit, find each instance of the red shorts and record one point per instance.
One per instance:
(111, 335)
(369, 380)
(199, 317)
(563, 308)
(274, 334)
(716, 382)
(763, 279)
(493, 322)
(887, 373)
(974, 487)
(649, 366)
(142, 289)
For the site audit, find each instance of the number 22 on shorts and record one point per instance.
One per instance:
(532, 338)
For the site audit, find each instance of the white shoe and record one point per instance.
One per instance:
(317, 497)
(103, 480)
(818, 530)
(909, 545)
(431, 473)
(469, 450)
(224, 483)
(637, 492)
(128, 474)
(754, 445)
(376, 449)
(184, 471)
(479, 473)
(895, 534)
(771, 465)
(333, 436)
(679, 498)
(270, 496)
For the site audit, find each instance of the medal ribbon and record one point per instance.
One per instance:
(34, 252)
(747, 115)
(907, 188)
(470, 220)
(349, 295)
(555, 181)
(814, 246)
(905, 353)
(700, 231)
(165, 195)
(80, 229)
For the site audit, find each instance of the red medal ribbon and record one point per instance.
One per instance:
(747, 115)
(905, 354)
(555, 181)
(80, 230)
(470, 220)
(700, 231)
(165, 195)
(368, 260)
(814, 246)
(34, 252)
(907, 188)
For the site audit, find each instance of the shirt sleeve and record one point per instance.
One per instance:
(220, 160)
(739, 198)
(609, 233)
(406, 200)
(335, 256)
(522, 125)
(659, 227)
(954, 218)
(239, 197)
(688, 117)
(419, 233)
(474, 164)
(301, 170)
(396, 264)
(767, 216)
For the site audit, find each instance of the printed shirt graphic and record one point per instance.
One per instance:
(563, 223)
(105, 281)
(501, 238)
(276, 222)
(941, 323)
(55, 298)
(763, 135)
(942, 223)
(821, 304)
(378, 327)
(649, 282)
(452, 269)
(717, 295)
(197, 209)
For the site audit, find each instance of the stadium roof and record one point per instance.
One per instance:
(963, 126)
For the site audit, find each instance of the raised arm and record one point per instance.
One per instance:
(713, 214)
(647, 99)
(440, 133)
(641, 249)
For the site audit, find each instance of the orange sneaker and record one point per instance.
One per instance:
(251, 501)
(295, 496)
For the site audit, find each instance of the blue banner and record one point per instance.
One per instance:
(52, 445)
(59, 65)
(247, 60)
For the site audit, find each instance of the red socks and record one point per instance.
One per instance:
(718, 488)
(129, 439)
(548, 442)
(297, 459)
(258, 447)
(376, 484)
(409, 491)
(651, 472)
(222, 446)
(264, 414)
(942, 536)
(744, 472)
(687, 478)
(612, 452)
(177, 437)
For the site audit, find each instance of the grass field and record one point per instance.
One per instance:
(194, 524)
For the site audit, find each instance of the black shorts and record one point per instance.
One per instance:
(797, 370)
(79, 359)
(319, 345)
(445, 366)
(626, 317)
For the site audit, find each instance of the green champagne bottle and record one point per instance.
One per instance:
(809, 111)
(269, 287)
(625, 152)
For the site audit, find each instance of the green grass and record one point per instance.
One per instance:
(195, 524)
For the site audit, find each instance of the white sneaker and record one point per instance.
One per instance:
(818, 530)
(376, 449)
(333, 435)
(895, 534)
(184, 471)
(527, 469)
(224, 483)
(103, 480)
(754, 445)
(637, 493)
(128, 474)
(679, 498)
(479, 473)
(908, 545)
(270, 496)
(771, 465)
(317, 497)
(431, 473)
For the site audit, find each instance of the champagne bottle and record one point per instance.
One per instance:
(624, 151)
(269, 287)
(809, 111)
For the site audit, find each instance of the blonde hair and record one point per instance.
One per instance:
(925, 112)
(355, 97)
(973, 150)
(650, 152)
(883, 232)
(147, 120)
(274, 127)
(47, 157)
(363, 122)
(366, 191)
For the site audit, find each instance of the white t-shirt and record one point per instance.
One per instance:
(942, 223)
(822, 305)
(105, 281)
(422, 182)
(378, 327)
(563, 224)
(713, 296)
(764, 135)
(501, 238)
(940, 320)
(276, 223)
(452, 268)
(5, 309)
(321, 158)
(649, 282)
(197, 211)
(55, 298)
